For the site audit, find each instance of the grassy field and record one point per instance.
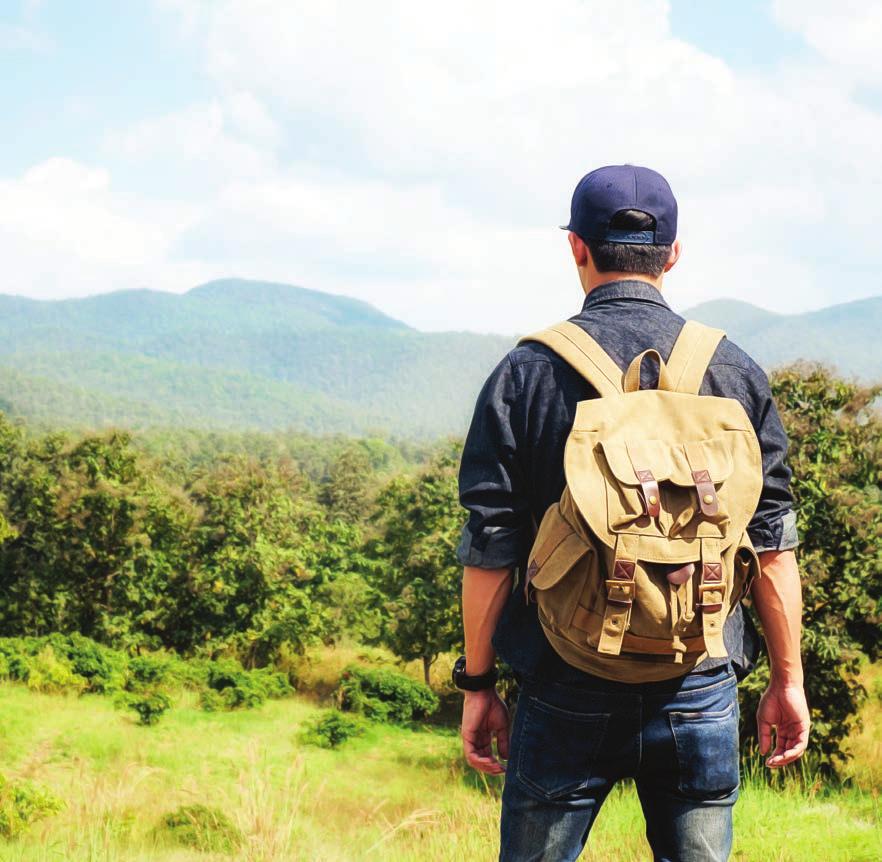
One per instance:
(395, 794)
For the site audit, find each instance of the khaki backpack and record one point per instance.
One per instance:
(655, 479)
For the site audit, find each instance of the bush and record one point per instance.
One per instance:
(150, 707)
(206, 829)
(148, 670)
(23, 803)
(62, 663)
(385, 695)
(74, 663)
(236, 688)
(331, 729)
(103, 667)
(47, 673)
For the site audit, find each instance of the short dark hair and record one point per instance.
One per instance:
(629, 257)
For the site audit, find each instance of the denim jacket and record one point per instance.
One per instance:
(512, 463)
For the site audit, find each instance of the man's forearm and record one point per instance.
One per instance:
(777, 597)
(484, 592)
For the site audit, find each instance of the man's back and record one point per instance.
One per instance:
(527, 407)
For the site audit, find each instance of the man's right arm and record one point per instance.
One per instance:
(497, 535)
(777, 597)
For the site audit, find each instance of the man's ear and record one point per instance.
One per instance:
(580, 250)
(676, 248)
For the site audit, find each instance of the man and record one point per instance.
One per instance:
(576, 734)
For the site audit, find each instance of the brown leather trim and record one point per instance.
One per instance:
(712, 573)
(624, 570)
(649, 487)
(635, 643)
(707, 493)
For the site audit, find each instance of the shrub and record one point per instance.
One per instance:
(148, 670)
(206, 829)
(382, 694)
(237, 688)
(62, 662)
(212, 701)
(150, 706)
(23, 803)
(103, 667)
(47, 673)
(331, 729)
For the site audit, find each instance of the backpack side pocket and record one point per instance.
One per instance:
(561, 563)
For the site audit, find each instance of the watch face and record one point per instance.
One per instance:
(458, 670)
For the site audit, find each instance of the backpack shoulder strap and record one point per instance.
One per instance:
(583, 353)
(692, 353)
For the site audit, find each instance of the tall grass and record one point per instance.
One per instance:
(395, 794)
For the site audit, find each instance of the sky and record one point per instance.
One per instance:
(420, 157)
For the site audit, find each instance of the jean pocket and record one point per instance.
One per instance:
(707, 751)
(557, 748)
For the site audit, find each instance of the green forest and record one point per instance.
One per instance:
(142, 568)
(252, 355)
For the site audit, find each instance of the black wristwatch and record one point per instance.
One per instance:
(472, 683)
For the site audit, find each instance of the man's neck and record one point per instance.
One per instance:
(593, 280)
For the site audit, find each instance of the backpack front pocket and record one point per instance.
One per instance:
(636, 473)
(672, 490)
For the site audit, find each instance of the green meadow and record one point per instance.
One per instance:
(394, 793)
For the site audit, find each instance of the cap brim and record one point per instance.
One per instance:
(564, 227)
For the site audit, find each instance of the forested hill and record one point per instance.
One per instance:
(236, 354)
(246, 354)
(844, 336)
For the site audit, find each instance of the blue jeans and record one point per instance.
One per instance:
(571, 742)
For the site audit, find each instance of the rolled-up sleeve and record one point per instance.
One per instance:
(492, 485)
(773, 526)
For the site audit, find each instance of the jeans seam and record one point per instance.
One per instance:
(707, 714)
(714, 685)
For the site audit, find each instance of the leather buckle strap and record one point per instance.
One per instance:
(649, 489)
(712, 590)
(707, 493)
(620, 593)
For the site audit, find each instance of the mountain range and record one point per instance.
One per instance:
(243, 354)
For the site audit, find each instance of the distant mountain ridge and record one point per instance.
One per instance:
(259, 355)
(844, 336)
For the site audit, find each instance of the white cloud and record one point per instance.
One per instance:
(846, 33)
(503, 107)
(421, 159)
(64, 232)
(223, 138)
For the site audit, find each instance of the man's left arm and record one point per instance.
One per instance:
(777, 592)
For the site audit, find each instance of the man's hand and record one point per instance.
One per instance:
(784, 706)
(484, 716)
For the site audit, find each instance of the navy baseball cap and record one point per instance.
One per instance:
(609, 190)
